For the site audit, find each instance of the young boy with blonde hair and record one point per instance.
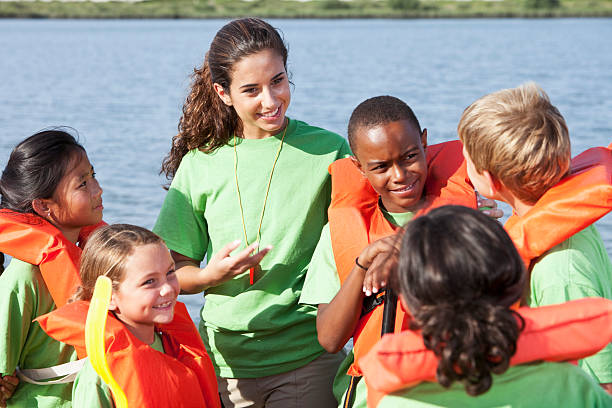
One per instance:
(517, 149)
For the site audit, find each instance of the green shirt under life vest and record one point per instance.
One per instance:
(545, 385)
(23, 297)
(578, 267)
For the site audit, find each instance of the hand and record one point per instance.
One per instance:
(8, 384)
(223, 267)
(489, 207)
(380, 258)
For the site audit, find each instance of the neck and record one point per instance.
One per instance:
(392, 208)
(71, 234)
(144, 333)
(259, 133)
(520, 207)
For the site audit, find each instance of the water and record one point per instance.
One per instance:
(121, 83)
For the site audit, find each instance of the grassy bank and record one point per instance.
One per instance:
(309, 9)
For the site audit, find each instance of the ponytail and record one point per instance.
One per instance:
(207, 123)
(472, 341)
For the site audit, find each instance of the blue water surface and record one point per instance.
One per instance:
(121, 83)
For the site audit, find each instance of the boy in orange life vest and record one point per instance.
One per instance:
(393, 175)
(517, 149)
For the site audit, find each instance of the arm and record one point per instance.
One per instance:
(337, 320)
(222, 267)
(607, 387)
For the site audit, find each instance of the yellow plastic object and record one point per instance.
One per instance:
(94, 337)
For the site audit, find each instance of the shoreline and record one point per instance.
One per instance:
(292, 9)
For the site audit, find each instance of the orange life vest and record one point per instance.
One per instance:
(567, 331)
(34, 240)
(183, 376)
(355, 220)
(576, 202)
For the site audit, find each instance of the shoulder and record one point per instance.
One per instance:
(577, 260)
(317, 135)
(19, 274)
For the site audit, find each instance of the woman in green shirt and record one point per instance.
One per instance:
(242, 172)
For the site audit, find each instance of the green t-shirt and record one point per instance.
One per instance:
(577, 268)
(23, 297)
(545, 385)
(91, 391)
(201, 213)
(322, 281)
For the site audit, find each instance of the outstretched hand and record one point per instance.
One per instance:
(8, 383)
(223, 266)
(379, 258)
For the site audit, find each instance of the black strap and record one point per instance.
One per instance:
(349, 400)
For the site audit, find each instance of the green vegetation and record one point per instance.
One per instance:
(308, 9)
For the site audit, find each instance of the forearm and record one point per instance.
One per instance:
(337, 320)
(192, 278)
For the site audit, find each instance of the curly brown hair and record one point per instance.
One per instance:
(458, 274)
(207, 123)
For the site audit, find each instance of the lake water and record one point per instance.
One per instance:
(122, 83)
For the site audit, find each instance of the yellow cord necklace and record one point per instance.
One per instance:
(263, 209)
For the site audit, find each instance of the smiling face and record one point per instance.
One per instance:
(147, 294)
(392, 158)
(77, 200)
(259, 92)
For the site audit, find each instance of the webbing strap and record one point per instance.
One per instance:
(349, 399)
(42, 376)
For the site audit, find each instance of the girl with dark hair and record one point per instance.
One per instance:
(459, 275)
(245, 173)
(49, 194)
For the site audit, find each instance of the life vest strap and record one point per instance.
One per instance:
(42, 376)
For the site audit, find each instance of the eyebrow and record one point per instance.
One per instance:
(378, 162)
(252, 85)
(82, 176)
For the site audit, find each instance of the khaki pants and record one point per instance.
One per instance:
(305, 387)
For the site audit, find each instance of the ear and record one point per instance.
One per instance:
(41, 207)
(225, 97)
(424, 138)
(494, 185)
(112, 304)
(358, 165)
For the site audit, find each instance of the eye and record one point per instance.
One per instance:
(148, 282)
(410, 156)
(250, 91)
(170, 272)
(278, 80)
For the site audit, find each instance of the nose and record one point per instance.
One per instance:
(398, 173)
(268, 98)
(166, 289)
(97, 190)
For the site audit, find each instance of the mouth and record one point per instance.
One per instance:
(405, 189)
(99, 207)
(272, 115)
(164, 305)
